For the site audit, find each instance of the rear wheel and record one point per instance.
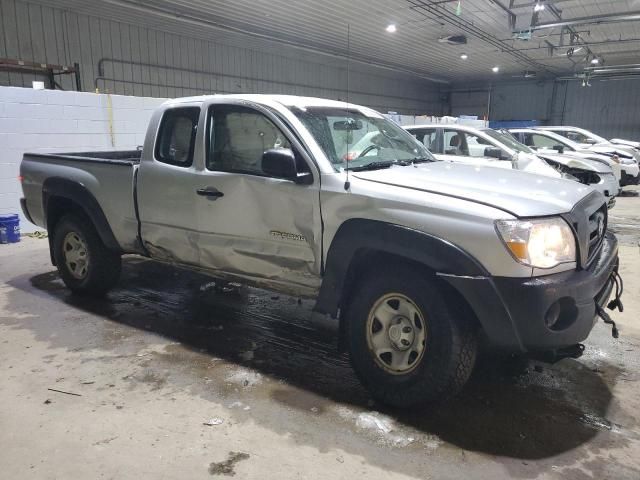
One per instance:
(85, 264)
(406, 344)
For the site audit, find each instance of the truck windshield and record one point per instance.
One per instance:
(351, 138)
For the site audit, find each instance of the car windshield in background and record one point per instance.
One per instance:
(507, 140)
(355, 140)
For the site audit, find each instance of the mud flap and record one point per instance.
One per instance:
(613, 304)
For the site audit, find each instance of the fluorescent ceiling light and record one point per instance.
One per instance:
(595, 60)
(464, 56)
(538, 7)
(391, 28)
(495, 69)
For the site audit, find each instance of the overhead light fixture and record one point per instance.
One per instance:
(391, 28)
(595, 60)
(464, 56)
(538, 7)
(495, 69)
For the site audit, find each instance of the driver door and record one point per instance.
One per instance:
(254, 226)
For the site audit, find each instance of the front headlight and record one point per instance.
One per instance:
(540, 243)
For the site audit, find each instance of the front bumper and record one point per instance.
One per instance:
(608, 186)
(628, 179)
(518, 314)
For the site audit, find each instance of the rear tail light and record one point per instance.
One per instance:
(20, 178)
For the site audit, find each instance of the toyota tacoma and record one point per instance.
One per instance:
(417, 258)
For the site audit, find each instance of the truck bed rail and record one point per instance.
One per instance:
(117, 157)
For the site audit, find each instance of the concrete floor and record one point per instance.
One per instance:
(168, 378)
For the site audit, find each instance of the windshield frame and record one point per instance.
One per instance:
(315, 119)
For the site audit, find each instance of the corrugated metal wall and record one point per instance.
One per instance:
(146, 62)
(609, 108)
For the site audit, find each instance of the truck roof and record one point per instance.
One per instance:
(286, 100)
(453, 126)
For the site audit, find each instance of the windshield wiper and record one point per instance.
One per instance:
(371, 166)
(422, 160)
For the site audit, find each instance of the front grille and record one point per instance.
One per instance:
(589, 219)
(597, 229)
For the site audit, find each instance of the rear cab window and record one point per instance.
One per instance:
(177, 135)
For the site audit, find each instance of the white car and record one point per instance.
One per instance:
(487, 147)
(627, 143)
(629, 156)
(544, 141)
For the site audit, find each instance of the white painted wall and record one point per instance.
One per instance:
(61, 121)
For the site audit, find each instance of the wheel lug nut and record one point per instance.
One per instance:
(405, 342)
(406, 330)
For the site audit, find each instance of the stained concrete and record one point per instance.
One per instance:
(135, 386)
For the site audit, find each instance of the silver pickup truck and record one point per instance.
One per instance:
(418, 259)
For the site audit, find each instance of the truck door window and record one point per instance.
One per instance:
(476, 145)
(177, 135)
(542, 141)
(428, 137)
(455, 143)
(237, 138)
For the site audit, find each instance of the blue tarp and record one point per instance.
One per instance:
(513, 123)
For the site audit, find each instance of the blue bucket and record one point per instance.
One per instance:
(9, 228)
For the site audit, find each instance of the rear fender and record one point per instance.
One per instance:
(61, 195)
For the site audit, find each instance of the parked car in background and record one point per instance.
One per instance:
(488, 147)
(417, 258)
(626, 143)
(628, 155)
(545, 141)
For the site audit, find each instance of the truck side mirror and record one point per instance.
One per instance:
(495, 152)
(281, 163)
(559, 148)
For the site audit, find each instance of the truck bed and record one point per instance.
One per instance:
(126, 157)
(109, 176)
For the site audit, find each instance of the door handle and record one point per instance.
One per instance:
(210, 192)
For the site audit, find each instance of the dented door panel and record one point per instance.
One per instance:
(265, 228)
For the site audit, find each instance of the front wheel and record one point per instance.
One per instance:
(406, 344)
(85, 264)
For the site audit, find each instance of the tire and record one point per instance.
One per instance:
(85, 264)
(445, 363)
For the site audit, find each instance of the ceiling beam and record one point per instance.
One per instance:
(431, 10)
(510, 14)
(594, 20)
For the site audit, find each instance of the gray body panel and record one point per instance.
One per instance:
(111, 184)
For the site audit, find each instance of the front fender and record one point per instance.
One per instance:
(358, 235)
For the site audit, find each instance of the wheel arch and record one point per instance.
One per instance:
(360, 242)
(61, 196)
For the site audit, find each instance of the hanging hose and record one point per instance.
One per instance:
(613, 304)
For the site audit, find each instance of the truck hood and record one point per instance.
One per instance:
(519, 193)
(577, 163)
(623, 151)
(628, 143)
